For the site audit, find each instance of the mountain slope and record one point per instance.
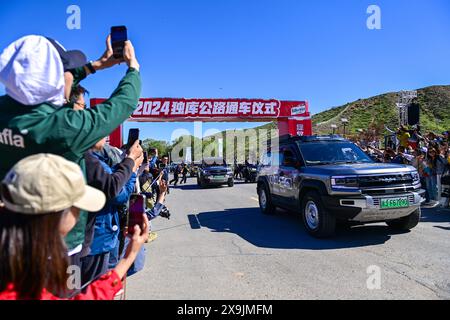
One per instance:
(378, 111)
(381, 110)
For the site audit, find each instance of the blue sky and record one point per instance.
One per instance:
(320, 51)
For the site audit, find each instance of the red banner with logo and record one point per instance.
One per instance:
(293, 117)
(212, 109)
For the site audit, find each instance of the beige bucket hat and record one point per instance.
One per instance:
(46, 183)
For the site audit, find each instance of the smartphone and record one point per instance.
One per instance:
(133, 136)
(136, 211)
(145, 157)
(119, 35)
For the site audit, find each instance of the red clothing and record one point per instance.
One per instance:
(105, 288)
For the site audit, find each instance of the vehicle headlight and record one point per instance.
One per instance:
(415, 176)
(344, 182)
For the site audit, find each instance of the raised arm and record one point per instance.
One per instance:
(82, 129)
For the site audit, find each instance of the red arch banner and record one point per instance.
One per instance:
(293, 117)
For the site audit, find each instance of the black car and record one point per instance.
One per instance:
(215, 172)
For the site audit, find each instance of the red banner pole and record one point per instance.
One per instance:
(115, 138)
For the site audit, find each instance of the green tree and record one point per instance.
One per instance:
(163, 147)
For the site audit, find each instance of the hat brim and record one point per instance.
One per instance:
(74, 59)
(93, 200)
(71, 59)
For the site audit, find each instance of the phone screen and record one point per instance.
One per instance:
(136, 210)
(118, 37)
(133, 136)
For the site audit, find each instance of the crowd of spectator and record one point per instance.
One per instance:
(65, 192)
(428, 153)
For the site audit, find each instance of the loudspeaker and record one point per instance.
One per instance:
(413, 114)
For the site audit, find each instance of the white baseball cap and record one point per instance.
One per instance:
(46, 183)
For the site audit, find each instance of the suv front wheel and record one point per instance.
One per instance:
(318, 222)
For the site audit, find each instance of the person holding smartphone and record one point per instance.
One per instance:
(26, 224)
(159, 204)
(39, 75)
(151, 213)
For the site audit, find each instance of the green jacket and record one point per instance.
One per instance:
(45, 128)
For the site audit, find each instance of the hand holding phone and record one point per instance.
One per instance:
(135, 151)
(129, 56)
(136, 212)
(107, 60)
(139, 236)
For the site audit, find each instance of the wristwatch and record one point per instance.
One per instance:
(90, 67)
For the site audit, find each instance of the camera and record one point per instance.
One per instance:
(165, 213)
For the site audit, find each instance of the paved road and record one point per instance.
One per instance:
(219, 246)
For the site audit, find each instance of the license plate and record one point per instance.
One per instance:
(394, 203)
(218, 177)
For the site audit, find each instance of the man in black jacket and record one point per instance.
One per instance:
(176, 175)
(184, 172)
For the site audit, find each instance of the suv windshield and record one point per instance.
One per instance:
(214, 163)
(323, 153)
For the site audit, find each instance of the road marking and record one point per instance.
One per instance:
(256, 199)
(198, 221)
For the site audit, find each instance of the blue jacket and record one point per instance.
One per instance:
(107, 228)
(152, 162)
